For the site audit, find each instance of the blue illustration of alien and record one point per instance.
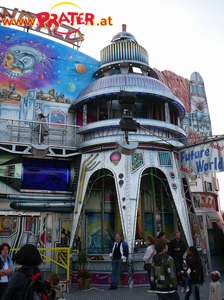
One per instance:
(21, 60)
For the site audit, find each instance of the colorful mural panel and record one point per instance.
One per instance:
(148, 225)
(94, 232)
(29, 62)
(137, 161)
(196, 122)
(8, 225)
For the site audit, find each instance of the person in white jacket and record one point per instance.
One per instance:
(215, 290)
(147, 259)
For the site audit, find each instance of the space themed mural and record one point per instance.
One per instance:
(27, 62)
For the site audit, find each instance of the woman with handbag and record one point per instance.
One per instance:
(147, 258)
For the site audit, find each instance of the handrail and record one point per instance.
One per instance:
(30, 132)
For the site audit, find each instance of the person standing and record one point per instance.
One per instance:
(102, 115)
(177, 249)
(119, 254)
(163, 273)
(42, 128)
(147, 258)
(215, 286)
(7, 268)
(162, 236)
(197, 275)
(29, 258)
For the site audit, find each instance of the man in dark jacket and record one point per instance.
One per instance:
(163, 273)
(197, 275)
(177, 249)
(119, 254)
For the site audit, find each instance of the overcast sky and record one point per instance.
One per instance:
(182, 36)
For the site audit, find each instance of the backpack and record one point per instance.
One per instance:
(34, 288)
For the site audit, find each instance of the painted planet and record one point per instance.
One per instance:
(80, 68)
(7, 37)
(41, 76)
(59, 81)
(70, 87)
(69, 56)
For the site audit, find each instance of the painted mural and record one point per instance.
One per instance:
(178, 85)
(196, 123)
(29, 62)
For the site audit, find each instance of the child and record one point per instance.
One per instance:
(185, 277)
(215, 286)
(50, 291)
(54, 279)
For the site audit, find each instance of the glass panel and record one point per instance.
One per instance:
(193, 88)
(94, 236)
(45, 174)
(148, 225)
(109, 230)
(201, 90)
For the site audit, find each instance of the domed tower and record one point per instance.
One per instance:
(139, 194)
(122, 55)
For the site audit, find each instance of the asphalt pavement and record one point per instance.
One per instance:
(135, 293)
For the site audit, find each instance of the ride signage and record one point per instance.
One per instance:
(203, 158)
(56, 25)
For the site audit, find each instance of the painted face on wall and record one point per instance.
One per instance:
(9, 60)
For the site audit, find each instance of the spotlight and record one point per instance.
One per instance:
(126, 148)
(39, 150)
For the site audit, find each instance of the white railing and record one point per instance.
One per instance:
(29, 132)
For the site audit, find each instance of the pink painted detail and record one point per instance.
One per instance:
(141, 278)
(103, 278)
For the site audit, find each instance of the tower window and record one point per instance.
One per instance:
(164, 159)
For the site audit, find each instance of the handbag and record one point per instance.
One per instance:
(147, 263)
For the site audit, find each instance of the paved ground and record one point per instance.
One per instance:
(136, 293)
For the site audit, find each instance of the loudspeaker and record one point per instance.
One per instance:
(39, 150)
(126, 149)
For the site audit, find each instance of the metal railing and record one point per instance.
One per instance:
(62, 257)
(34, 132)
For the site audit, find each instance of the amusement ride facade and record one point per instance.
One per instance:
(115, 170)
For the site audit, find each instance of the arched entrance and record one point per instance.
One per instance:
(100, 217)
(156, 208)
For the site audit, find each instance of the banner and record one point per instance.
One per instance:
(199, 159)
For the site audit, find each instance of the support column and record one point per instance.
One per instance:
(162, 206)
(167, 112)
(153, 204)
(102, 214)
